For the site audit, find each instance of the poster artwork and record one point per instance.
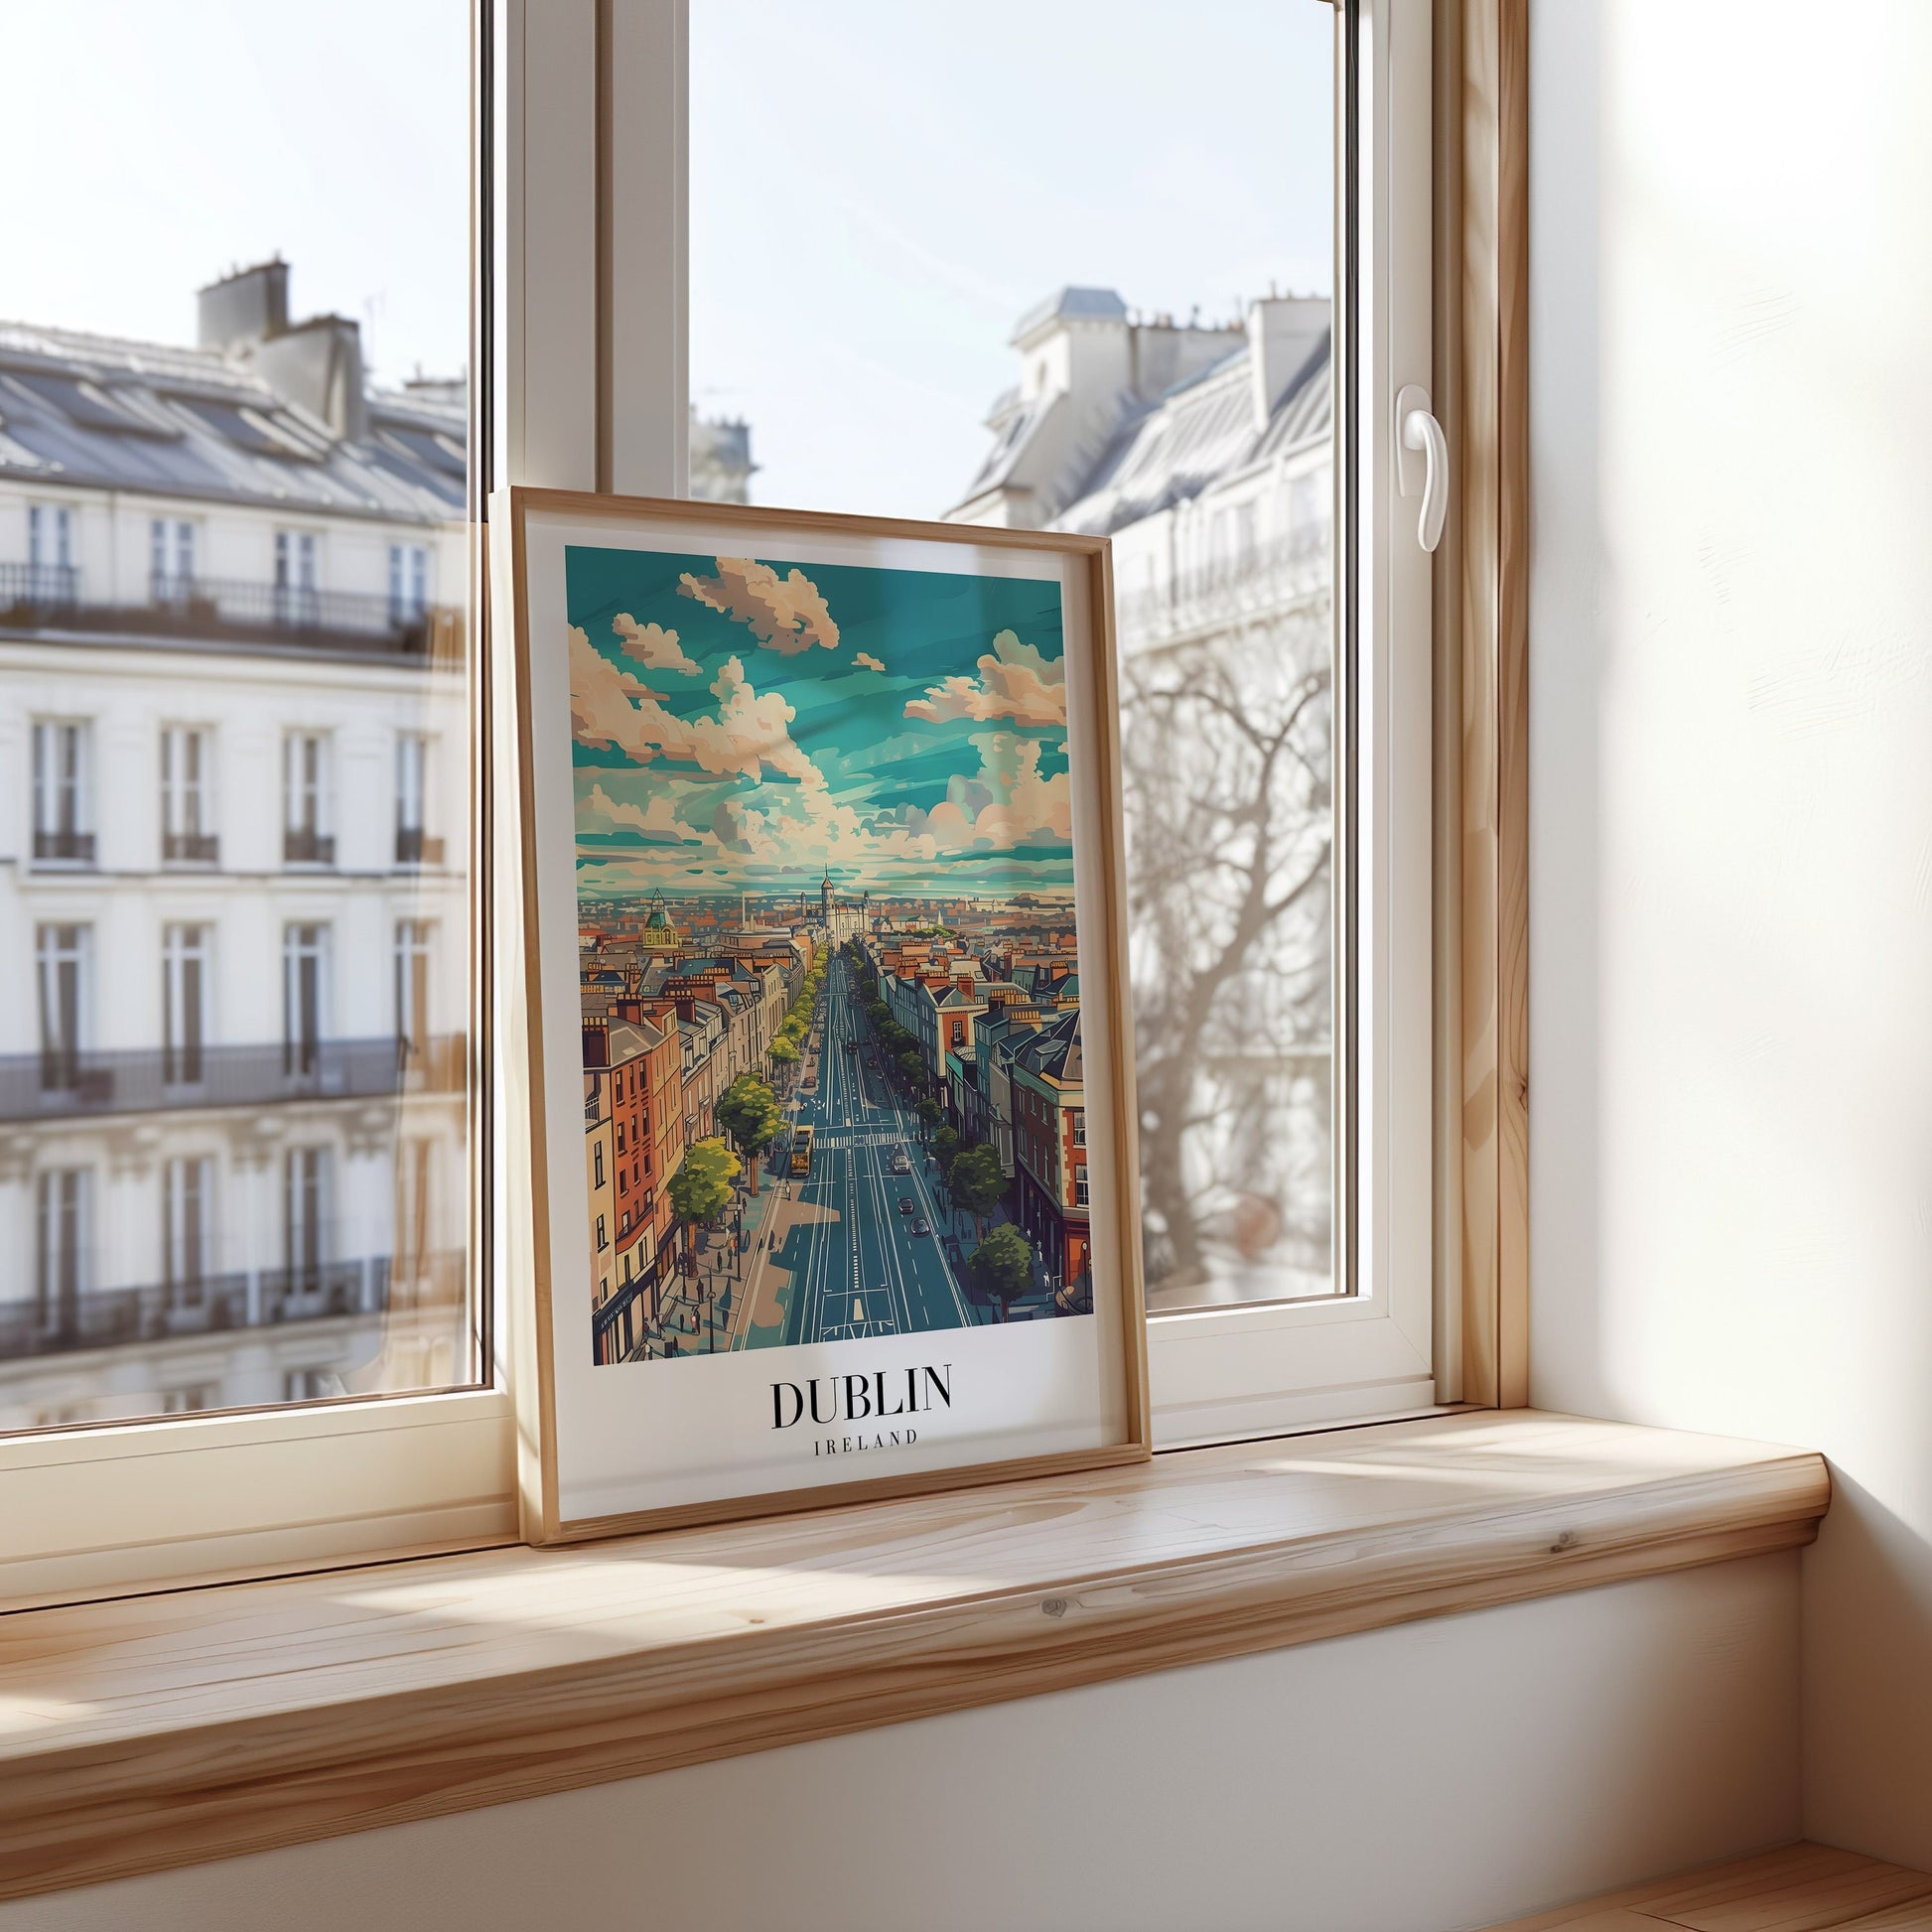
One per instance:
(830, 995)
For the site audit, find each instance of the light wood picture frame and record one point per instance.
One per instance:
(850, 785)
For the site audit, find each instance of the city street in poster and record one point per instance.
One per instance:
(820, 865)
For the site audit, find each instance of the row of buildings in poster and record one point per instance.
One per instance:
(996, 1010)
(672, 1014)
(674, 1010)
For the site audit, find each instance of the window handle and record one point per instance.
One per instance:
(1419, 434)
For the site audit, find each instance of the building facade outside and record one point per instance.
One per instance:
(234, 707)
(1206, 455)
(235, 720)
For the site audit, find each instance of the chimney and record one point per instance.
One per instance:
(244, 307)
(1283, 333)
(318, 363)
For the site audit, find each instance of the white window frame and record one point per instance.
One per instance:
(1256, 1369)
(297, 565)
(412, 795)
(172, 545)
(1223, 1373)
(408, 582)
(50, 783)
(50, 953)
(308, 794)
(587, 387)
(49, 528)
(47, 1185)
(414, 940)
(100, 1509)
(189, 1180)
(310, 1193)
(412, 1238)
(187, 798)
(307, 951)
(185, 1034)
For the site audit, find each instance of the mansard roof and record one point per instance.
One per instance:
(1198, 432)
(110, 413)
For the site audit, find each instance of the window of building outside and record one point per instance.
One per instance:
(183, 1005)
(1087, 289)
(414, 847)
(412, 988)
(408, 581)
(187, 837)
(63, 761)
(306, 802)
(233, 475)
(172, 558)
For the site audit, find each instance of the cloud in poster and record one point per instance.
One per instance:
(784, 613)
(1006, 804)
(652, 645)
(769, 832)
(1015, 682)
(603, 700)
(656, 820)
(751, 735)
(867, 661)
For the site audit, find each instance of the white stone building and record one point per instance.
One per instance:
(235, 720)
(1206, 455)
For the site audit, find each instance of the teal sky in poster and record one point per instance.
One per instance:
(739, 723)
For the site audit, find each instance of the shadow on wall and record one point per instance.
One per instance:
(1732, 787)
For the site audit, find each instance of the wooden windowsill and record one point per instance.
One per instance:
(196, 1725)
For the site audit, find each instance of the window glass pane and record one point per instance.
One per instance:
(1083, 285)
(233, 1054)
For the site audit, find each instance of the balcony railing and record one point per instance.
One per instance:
(233, 610)
(51, 587)
(303, 846)
(60, 1083)
(65, 848)
(215, 1305)
(414, 847)
(1276, 573)
(191, 848)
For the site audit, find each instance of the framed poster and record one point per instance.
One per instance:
(832, 1189)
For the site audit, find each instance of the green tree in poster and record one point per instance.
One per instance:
(928, 1111)
(1002, 1266)
(783, 1053)
(701, 1186)
(946, 1144)
(977, 1183)
(748, 1111)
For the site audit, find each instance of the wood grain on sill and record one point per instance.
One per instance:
(164, 1729)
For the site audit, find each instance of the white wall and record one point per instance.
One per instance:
(1732, 789)
(1444, 1775)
